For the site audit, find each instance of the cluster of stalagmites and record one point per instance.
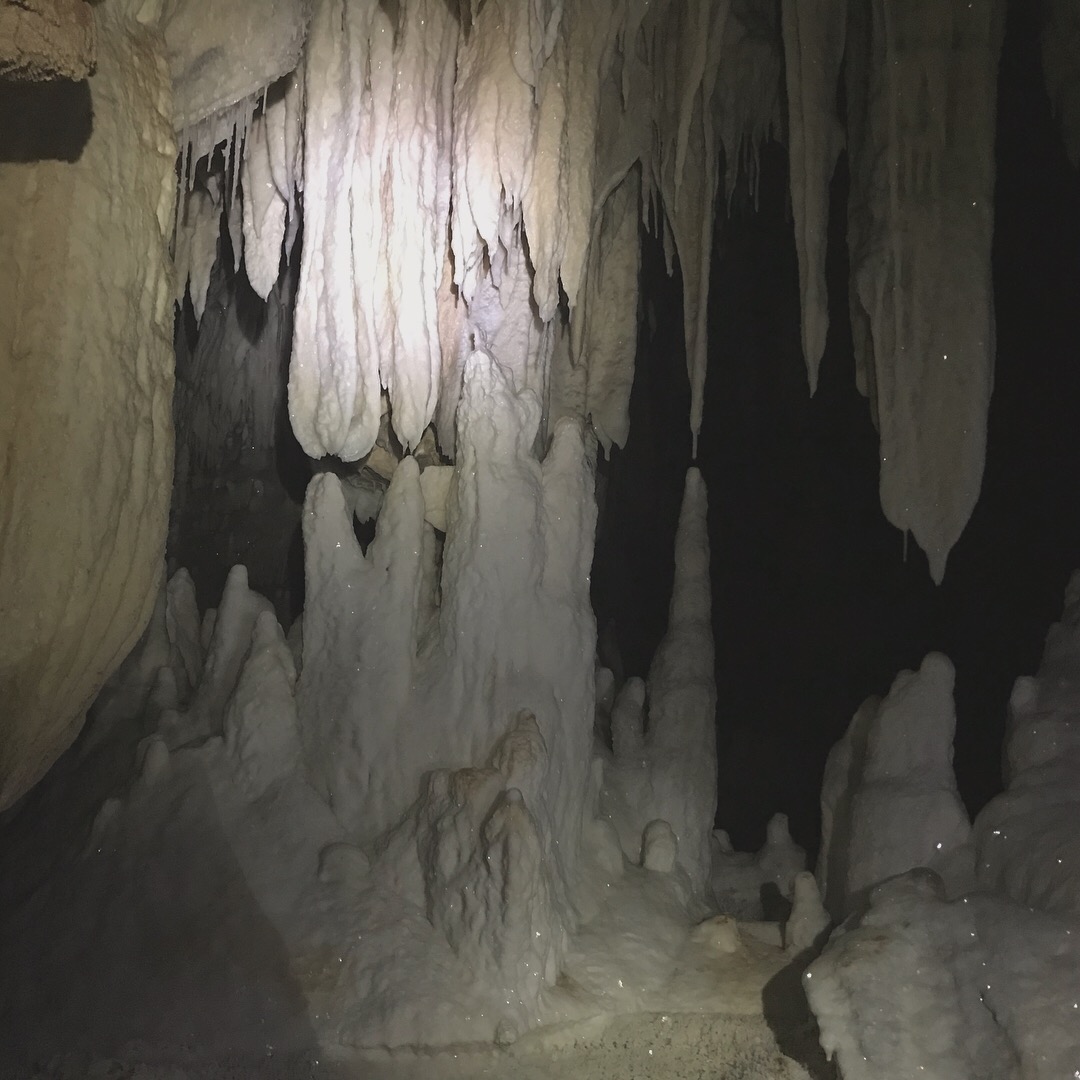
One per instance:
(426, 728)
(448, 882)
(412, 790)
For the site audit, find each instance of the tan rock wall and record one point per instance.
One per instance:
(46, 39)
(86, 372)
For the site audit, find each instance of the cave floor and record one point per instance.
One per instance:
(636, 1046)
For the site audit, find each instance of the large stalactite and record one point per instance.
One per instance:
(922, 93)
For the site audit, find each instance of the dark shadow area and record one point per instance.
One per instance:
(364, 531)
(641, 485)
(146, 945)
(46, 121)
(775, 906)
(787, 1012)
(240, 473)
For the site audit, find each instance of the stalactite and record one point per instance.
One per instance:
(920, 228)
(512, 187)
(606, 346)
(814, 35)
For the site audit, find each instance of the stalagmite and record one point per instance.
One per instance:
(360, 646)
(260, 725)
(743, 882)
(892, 794)
(1026, 838)
(809, 921)
(978, 989)
(515, 564)
(682, 695)
(518, 552)
(226, 635)
(844, 764)
(664, 767)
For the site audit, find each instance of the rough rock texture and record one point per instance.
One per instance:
(977, 989)
(472, 854)
(86, 362)
(842, 769)
(47, 39)
(220, 53)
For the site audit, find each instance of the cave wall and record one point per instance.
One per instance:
(86, 441)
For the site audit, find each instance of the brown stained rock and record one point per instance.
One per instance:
(47, 39)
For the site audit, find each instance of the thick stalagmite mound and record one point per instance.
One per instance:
(391, 833)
